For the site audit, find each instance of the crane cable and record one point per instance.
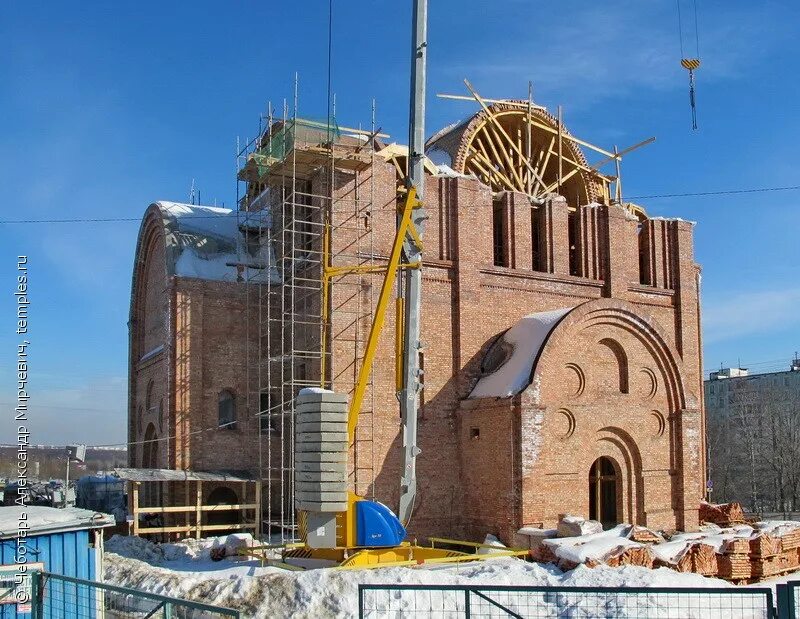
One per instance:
(690, 64)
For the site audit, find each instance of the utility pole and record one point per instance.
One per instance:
(410, 286)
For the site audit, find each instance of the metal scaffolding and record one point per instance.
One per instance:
(305, 198)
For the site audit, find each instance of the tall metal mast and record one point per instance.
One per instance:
(411, 284)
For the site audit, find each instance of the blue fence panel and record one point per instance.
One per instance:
(67, 553)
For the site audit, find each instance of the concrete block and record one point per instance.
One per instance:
(320, 487)
(320, 407)
(317, 416)
(321, 497)
(340, 468)
(320, 426)
(320, 457)
(329, 446)
(319, 476)
(320, 398)
(322, 506)
(321, 437)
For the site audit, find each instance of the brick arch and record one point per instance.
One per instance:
(621, 315)
(151, 245)
(627, 456)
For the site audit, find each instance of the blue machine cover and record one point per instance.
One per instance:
(377, 526)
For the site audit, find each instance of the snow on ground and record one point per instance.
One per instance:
(186, 570)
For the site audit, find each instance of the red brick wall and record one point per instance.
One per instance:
(531, 457)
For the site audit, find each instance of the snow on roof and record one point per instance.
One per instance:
(524, 342)
(130, 474)
(41, 520)
(448, 172)
(207, 242)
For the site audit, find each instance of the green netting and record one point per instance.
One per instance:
(298, 131)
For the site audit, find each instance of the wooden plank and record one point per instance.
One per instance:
(560, 150)
(571, 138)
(258, 509)
(504, 101)
(619, 155)
(543, 169)
(476, 160)
(136, 508)
(190, 508)
(198, 515)
(567, 176)
(496, 122)
(509, 162)
(225, 527)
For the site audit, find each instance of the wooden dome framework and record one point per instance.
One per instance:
(513, 149)
(514, 145)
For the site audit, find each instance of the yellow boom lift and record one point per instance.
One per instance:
(335, 524)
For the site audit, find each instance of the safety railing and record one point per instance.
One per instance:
(62, 597)
(457, 601)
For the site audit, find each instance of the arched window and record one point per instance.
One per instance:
(621, 362)
(139, 419)
(148, 402)
(227, 410)
(150, 448)
(161, 414)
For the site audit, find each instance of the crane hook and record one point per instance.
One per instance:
(690, 64)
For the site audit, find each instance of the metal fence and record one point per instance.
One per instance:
(457, 601)
(788, 595)
(62, 597)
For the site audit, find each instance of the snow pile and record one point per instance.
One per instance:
(777, 528)
(524, 340)
(274, 592)
(491, 540)
(573, 526)
(186, 552)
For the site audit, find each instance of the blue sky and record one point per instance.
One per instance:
(107, 107)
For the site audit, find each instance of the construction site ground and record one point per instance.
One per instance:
(186, 569)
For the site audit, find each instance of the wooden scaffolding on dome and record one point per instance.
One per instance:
(516, 145)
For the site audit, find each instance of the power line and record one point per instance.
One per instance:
(390, 211)
(721, 192)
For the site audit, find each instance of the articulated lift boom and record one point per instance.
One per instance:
(366, 532)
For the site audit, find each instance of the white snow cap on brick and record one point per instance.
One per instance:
(526, 339)
(207, 242)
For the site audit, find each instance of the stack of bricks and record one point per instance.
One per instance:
(762, 556)
(724, 514)
(734, 562)
(770, 556)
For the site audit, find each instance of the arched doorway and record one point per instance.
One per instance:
(223, 496)
(603, 492)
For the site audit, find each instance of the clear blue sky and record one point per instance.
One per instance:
(106, 107)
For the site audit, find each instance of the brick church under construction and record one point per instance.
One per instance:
(560, 329)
